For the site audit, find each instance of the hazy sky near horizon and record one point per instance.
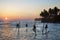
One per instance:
(26, 9)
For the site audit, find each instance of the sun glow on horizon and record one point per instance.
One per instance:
(6, 18)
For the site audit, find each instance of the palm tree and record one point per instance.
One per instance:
(56, 10)
(44, 14)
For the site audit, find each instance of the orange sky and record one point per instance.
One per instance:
(25, 9)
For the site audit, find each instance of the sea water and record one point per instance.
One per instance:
(10, 32)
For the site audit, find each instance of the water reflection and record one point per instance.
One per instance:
(7, 33)
(18, 34)
(46, 36)
(35, 36)
(13, 34)
(26, 30)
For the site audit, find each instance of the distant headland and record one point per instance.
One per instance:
(50, 15)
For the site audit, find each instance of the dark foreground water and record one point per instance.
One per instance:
(10, 32)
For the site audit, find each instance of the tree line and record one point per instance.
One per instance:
(52, 15)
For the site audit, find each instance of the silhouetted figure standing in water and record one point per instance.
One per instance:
(26, 27)
(46, 28)
(18, 26)
(34, 29)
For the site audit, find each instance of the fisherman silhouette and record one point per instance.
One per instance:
(46, 28)
(34, 29)
(26, 27)
(18, 26)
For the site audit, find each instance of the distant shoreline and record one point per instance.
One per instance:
(42, 21)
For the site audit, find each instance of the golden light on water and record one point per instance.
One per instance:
(6, 31)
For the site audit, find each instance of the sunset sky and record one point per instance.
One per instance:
(25, 9)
